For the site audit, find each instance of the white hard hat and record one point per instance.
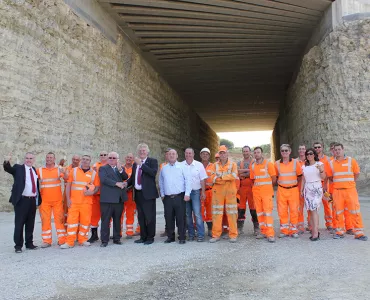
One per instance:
(205, 150)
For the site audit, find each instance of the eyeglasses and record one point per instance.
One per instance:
(317, 147)
(309, 153)
(112, 157)
(284, 150)
(103, 154)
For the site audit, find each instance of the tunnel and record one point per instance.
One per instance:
(85, 76)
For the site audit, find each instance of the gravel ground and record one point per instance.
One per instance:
(249, 269)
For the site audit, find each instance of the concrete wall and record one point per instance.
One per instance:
(65, 87)
(329, 100)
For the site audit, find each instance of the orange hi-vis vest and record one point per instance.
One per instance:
(209, 173)
(224, 173)
(343, 175)
(80, 180)
(50, 183)
(128, 172)
(287, 179)
(261, 175)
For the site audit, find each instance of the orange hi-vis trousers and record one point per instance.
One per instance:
(79, 217)
(47, 208)
(129, 210)
(95, 211)
(246, 194)
(287, 206)
(348, 198)
(264, 205)
(300, 225)
(65, 208)
(207, 207)
(224, 196)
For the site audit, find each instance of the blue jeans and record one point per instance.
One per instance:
(194, 205)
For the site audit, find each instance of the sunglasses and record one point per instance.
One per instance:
(103, 154)
(284, 150)
(112, 157)
(309, 153)
(317, 147)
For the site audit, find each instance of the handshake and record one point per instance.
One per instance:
(121, 185)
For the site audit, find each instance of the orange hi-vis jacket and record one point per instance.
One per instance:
(343, 173)
(79, 180)
(50, 183)
(223, 174)
(209, 173)
(261, 174)
(97, 166)
(288, 173)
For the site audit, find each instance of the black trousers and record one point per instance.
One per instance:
(25, 212)
(146, 213)
(108, 211)
(175, 210)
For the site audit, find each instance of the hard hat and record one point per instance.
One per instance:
(222, 148)
(205, 150)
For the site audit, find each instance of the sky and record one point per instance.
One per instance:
(247, 138)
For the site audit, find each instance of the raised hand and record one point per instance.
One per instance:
(8, 157)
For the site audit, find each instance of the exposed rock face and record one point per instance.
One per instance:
(66, 88)
(330, 99)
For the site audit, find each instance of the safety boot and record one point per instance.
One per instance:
(240, 225)
(209, 226)
(94, 235)
(256, 229)
(214, 240)
(65, 246)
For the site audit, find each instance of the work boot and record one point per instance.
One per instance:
(65, 246)
(295, 235)
(256, 229)
(86, 244)
(209, 225)
(45, 245)
(240, 225)
(214, 240)
(233, 240)
(361, 238)
(282, 235)
(271, 239)
(338, 236)
(94, 235)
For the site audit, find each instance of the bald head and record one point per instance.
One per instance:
(129, 159)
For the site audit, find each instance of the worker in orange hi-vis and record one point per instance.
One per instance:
(289, 173)
(76, 159)
(130, 206)
(224, 174)
(95, 213)
(263, 174)
(343, 172)
(82, 184)
(205, 155)
(52, 201)
(328, 213)
(347, 215)
(164, 233)
(301, 160)
(245, 191)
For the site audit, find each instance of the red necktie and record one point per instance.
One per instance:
(139, 172)
(33, 182)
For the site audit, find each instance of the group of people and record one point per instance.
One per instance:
(193, 193)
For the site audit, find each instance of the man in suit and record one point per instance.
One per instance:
(142, 179)
(25, 197)
(112, 196)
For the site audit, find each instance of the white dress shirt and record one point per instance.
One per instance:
(197, 172)
(138, 186)
(174, 179)
(27, 192)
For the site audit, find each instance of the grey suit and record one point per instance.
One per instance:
(111, 201)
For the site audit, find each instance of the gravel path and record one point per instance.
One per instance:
(249, 269)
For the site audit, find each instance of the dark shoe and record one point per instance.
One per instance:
(140, 241)
(200, 239)
(111, 237)
(31, 247)
(104, 245)
(361, 238)
(191, 239)
(148, 242)
(169, 241)
(94, 235)
(18, 250)
(117, 242)
(181, 242)
(338, 236)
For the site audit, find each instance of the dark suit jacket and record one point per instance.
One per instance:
(109, 192)
(19, 175)
(148, 184)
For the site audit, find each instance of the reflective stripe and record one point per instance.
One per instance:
(263, 183)
(217, 206)
(354, 212)
(268, 214)
(340, 212)
(47, 231)
(343, 180)
(72, 225)
(93, 176)
(284, 225)
(231, 211)
(217, 212)
(129, 226)
(84, 226)
(49, 179)
(94, 226)
(71, 233)
(261, 177)
(231, 205)
(269, 225)
(79, 182)
(261, 224)
(81, 233)
(60, 230)
(46, 236)
(75, 188)
(294, 173)
(61, 234)
(50, 185)
(287, 181)
(260, 214)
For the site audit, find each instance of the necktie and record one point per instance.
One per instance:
(33, 182)
(139, 172)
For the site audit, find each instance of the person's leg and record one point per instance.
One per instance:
(45, 211)
(180, 213)
(58, 213)
(282, 207)
(106, 213)
(217, 211)
(314, 223)
(196, 206)
(20, 217)
(30, 223)
(139, 199)
(293, 203)
(149, 207)
(85, 219)
(72, 223)
(189, 216)
(169, 217)
(117, 209)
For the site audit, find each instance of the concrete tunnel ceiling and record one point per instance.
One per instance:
(231, 61)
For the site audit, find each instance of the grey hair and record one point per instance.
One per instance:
(143, 145)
